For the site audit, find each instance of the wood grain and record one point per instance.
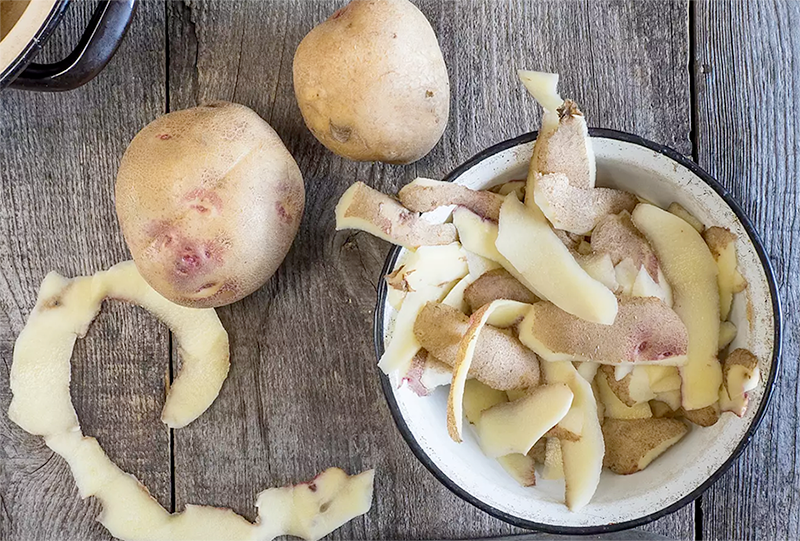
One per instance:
(748, 80)
(303, 390)
(58, 159)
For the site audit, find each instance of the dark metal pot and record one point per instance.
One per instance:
(34, 26)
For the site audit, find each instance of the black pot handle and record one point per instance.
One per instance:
(98, 44)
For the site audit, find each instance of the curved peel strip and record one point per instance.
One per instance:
(425, 195)
(41, 405)
(527, 241)
(479, 236)
(498, 313)
(40, 373)
(644, 331)
(202, 343)
(514, 427)
(543, 87)
(692, 272)
(366, 209)
(500, 361)
(583, 459)
(396, 359)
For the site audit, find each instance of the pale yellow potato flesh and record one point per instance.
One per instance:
(678, 210)
(543, 87)
(479, 236)
(645, 286)
(455, 297)
(514, 427)
(691, 270)
(396, 359)
(40, 377)
(632, 389)
(626, 273)
(479, 397)
(663, 378)
(67, 307)
(430, 266)
(583, 459)
(727, 332)
(722, 244)
(599, 267)
(517, 187)
(614, 408)
(479, 265)
(521, 468)
(527, 241)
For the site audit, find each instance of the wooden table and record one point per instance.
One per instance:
(718, 81)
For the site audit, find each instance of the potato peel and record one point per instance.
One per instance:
(425, 195)
(41, 405)
(583, 459)
(65, 309)
(534, 251)
(504, 312)
(366, 209)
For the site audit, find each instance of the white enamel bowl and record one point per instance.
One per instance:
(662, 176)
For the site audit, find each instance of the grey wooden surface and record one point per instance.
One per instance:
(714, 80)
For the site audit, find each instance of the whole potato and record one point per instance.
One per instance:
(372, 84)
(209, 201)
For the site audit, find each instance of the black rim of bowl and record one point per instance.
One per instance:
(612, 527)
(33, 47)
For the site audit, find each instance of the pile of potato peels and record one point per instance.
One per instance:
(579, 327)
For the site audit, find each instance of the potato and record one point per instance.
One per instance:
(371, 82)
(209, 201)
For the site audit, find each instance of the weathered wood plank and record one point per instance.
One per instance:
(303, 390)
(748, 80)
(58, 160)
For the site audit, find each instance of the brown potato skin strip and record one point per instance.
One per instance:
(496, 284)
(617, 236)
(645, 329)
(378, 214)
(501, 361)
(627, 441)
(421, 198)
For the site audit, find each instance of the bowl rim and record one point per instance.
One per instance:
(603, 133)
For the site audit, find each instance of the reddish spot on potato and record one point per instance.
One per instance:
(187, 264)
(204, 201)
(285, 216)
(164, 136)
(312, 487)
(338, 13)
(206, 286)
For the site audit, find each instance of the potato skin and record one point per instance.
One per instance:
(372, 84)
(209, 201)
